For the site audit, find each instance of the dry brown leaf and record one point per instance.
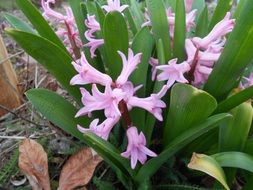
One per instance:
(33, 163)
(78, 170)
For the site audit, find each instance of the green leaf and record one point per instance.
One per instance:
(235, 160)
(101, 15)
(112, 156)
(177, 144)
(170, 3)
(202, 24)
(143, 43)
(179, 31)
(234, 134)
(160, 24)
(79, 17)
(53, 58)
(249, 184)
(235, 57)
(188, 107)
(199, 5)
(92, 8)
(136, 12)
(220, 11)
(239, 8)
(209, 166)
(18, 23)
(116, 39)
(130, 18)
(150, 119)
(57, 110)
(235, 100)
(249, 146)
(39, 23)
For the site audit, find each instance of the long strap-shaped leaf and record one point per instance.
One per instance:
(116, 39)
(57, 110)
(53, 58)
(160, 24)
(235, 100)
(79, 17)
(235, 57)
(220, 11)
(202, 23)
(179, 31)
(143, 43)
(18, 23)
(186, 110)
(210, 166)
(235, 160)
(185, 138)
(39, 23)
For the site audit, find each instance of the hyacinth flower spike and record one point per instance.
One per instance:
(116, 101)
(114, 5)
(69, 33)
(136, 148)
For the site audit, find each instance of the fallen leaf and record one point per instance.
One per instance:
(33, 163)
(78, 170)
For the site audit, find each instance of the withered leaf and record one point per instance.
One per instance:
(78, 170)
(33, 163)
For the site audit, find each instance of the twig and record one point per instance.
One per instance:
(13, 137)
(21, 117)
(14, 55)
(9, 149)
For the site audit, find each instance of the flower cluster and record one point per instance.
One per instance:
(202, 53)
(117, 99)
(93, 26)
(68, 32)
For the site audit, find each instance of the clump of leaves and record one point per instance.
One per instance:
(210, 114)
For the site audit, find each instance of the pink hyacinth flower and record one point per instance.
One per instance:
(222, 28)
(102, 130)
(92, 24)
(190, 19)
(153, 62)
(88, 74)
(173, 72)
(48, 12)
(114, 5)
(129, 65)
(93, 43)
(248, 81)
(152, 104)
(107, 101)
(201, 74)
(136, 148)
(210, 55)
